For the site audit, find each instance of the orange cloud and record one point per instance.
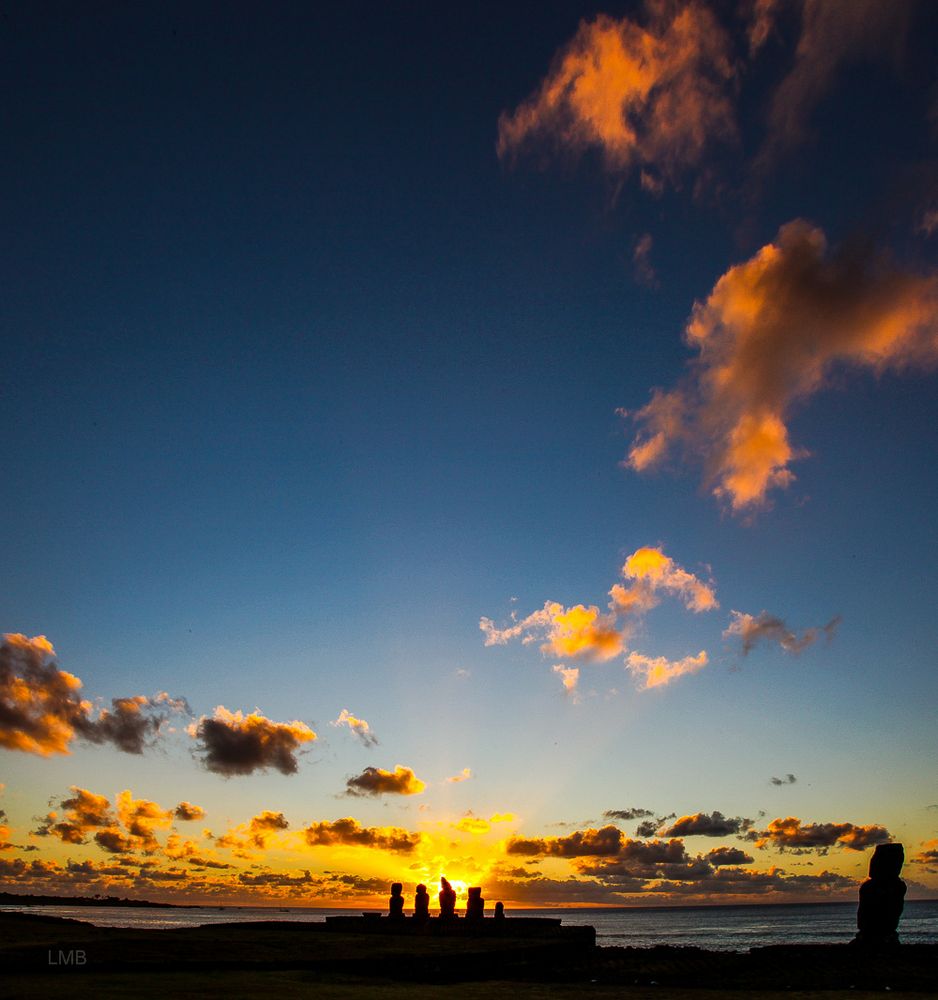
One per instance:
(43, 711)
(659, 671)
(769, 335)
(653, 96)
(578, 632)
(350, 832)
(377, 781)
(464, 775)
(141, 818)
(792, 833)
(652, 571)
(358, 726)
(234, 743)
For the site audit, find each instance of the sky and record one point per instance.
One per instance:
(479, 442)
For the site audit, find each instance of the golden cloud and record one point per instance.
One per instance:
(234, 743)
(653, 96)
(659, 671)
(464, 775)
(377, 781)
(651, 570)
(769, 335)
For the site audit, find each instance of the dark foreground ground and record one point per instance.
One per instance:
(50, 957)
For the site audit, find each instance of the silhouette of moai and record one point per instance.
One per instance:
(447, 901)
(881, 899)
(422, 904)
(396, 902)
(475, 906)
(499, 911)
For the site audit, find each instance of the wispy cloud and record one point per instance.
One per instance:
(833, 34)
(358, 726)
(659, 671)
(789, 779)
(751, 630)
(464, 775)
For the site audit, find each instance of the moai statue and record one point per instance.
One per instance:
(396, 902)
(881, 899)
(422, 904)
(447, 901)
(499, 911)
(475, 906)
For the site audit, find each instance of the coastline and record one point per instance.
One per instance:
(51, 956)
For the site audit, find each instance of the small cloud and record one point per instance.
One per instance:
(570, 677)
(719, 857)
(358, 726)
(376, 781)
(752, 630)
(642, 267)
(578, 632)
(464, 775)
(659, 671)
(626, 814)
(789, 779)
(234, 743)
(187, 811)
(473, 824)
(706, 825)
(463, 674)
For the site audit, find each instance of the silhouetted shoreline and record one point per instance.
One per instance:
(40, 957)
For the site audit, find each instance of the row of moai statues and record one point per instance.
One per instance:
(475, 906)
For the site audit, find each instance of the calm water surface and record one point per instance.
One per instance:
(720, 927)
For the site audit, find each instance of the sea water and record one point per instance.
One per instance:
(733, 928)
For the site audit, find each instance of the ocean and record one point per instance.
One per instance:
(724, 928)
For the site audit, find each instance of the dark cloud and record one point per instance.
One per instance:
(42, 711)
(233, 743)
(377, 781)
(764, 627)
(834, 33)
(626, 814)
(790, 833)
(608, 840)
(789, 779)
(703, 825)
(721, 856)
(349, 831)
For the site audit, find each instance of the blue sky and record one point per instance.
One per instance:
(302, 379)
